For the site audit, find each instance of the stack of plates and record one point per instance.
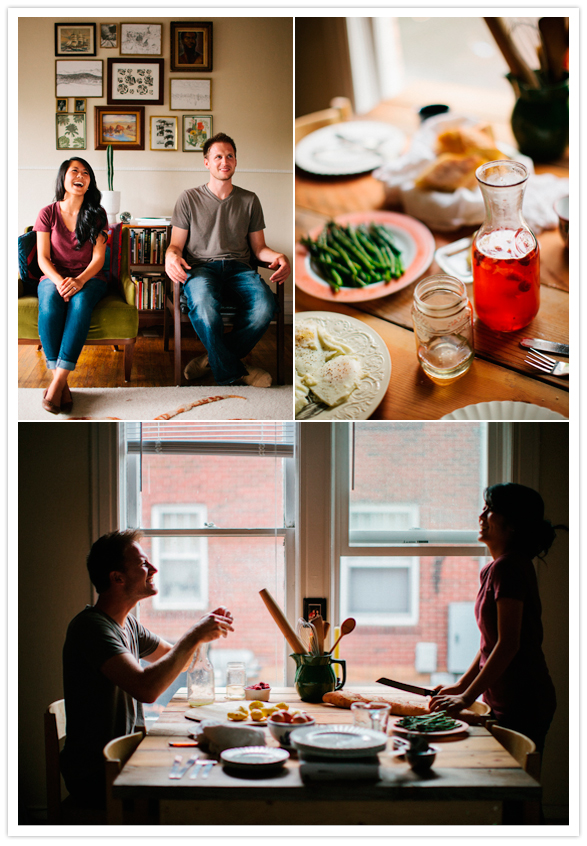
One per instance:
(338, 741)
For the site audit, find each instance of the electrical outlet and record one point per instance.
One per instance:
(314, 606)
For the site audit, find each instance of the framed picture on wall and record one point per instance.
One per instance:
(189, 94)
(79, 105)
(196, 131)
(135, 82)
(70, 131)
(61, 104)
(78, 78)
(108, 35)
(163, 133)
(191, 46)
(75, 39)
(142, 39)
(124, 128)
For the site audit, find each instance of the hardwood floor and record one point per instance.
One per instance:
(102, 367)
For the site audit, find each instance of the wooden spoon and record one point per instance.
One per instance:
(555, 42)
(347, 627)
(318, 624)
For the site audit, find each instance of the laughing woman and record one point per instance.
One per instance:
(71, 247)
(510, 664)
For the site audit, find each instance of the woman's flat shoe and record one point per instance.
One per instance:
(49, 406)
(66, 407)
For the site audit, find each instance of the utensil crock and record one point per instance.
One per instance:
(315, 676)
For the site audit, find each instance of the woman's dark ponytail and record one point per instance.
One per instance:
(523, 510)
(92, 219)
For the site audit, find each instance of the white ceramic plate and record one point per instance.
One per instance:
(454, 259)
(336, 150)
(338, 741)
(254, 757)
(373, 355)
(506, 410)
(462, 728)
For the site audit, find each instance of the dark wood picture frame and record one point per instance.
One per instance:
(126, 61)
(101, 141)
(73, 52)
(199, 57)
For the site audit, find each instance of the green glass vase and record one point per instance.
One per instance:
(540, 119)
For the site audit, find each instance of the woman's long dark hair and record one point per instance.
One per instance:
(523, 510)
(92, 219)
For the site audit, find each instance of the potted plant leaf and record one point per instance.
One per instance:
(111, 198)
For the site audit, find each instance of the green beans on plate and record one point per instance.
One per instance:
(437, 721)
(355, 256)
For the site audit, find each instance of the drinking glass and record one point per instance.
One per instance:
(371, 715)
(236, 677)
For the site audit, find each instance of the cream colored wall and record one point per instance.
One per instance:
(252, 100)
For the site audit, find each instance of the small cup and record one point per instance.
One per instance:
(561, 207)
(236, 677)
(371, 715)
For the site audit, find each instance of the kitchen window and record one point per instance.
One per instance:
(182, 562)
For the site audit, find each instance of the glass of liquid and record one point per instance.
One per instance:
(443, 326)
(505, 255)
(371, 715)
(236, 678)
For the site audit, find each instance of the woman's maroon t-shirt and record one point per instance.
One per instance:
(526, 683)
(67, 260)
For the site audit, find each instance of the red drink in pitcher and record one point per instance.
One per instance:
(506, 278)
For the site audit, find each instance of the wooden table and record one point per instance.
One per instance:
(472, 781)
(498, 371)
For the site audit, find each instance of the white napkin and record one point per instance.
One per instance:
(448, 211)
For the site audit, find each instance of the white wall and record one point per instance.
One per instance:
(252, 101)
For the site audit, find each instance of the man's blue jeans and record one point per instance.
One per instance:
(63, 327)
(255, 304)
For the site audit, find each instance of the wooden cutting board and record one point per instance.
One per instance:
(216, 710)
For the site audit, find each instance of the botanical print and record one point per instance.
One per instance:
(121, 128)
(140, 39)
(190, 94)
(163, 133)
(108, 35)
(134, 82)
(78, 79)
(196, 129)
(71, 131)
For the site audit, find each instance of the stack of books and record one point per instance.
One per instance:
(150, 290)
(147, 246)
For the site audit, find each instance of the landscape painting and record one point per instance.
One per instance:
(82, 78)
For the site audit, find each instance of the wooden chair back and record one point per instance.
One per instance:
(54, 719)
(340, 110)
(116, 754)
(520, 747)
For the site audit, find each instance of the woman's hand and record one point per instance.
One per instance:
(453, 705)
(69, 286)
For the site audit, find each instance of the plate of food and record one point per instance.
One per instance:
(351, 147)
(341, 363)
(363, 256)
(436, 725)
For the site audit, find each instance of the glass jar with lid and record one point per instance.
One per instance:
(443, 325)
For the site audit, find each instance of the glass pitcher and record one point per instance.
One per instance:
(506, 255)
(200, 678)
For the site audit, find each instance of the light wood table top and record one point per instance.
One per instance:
(499, 371)
(472, 769)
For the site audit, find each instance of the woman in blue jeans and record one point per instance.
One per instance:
(71, 247)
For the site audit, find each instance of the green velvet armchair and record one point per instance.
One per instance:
(115, 319)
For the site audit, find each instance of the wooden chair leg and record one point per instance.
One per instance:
(39, 347)
(280, 341)
(128, 355)
(176, 335)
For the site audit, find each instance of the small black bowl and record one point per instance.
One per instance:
(430, 111)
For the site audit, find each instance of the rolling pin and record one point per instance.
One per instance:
(281, 620)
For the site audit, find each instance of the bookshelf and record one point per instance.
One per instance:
(146, 264)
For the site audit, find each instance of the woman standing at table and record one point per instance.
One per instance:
(71, 247)
(509, 669)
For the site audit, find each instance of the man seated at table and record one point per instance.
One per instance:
(104, 683)
(215, 228)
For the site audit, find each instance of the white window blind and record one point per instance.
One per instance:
(275, 439)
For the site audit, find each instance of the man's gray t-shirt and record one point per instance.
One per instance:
(97, 710)
(218, 228)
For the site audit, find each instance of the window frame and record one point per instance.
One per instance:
(158, 558)
(409, 618)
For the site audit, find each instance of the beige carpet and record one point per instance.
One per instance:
(274, 403)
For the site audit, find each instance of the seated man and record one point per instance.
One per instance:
(104, 683)
(213, 222)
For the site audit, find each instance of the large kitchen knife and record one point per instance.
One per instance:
(411, 688)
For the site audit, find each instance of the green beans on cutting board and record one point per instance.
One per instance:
(355, 256)
(437, 721)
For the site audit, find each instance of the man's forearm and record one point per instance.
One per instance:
(157, 677)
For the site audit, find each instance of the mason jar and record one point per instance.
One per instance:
(443, 325)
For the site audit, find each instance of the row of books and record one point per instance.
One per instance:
(147, 246)
(150, 290)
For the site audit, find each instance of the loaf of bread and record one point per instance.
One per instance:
(400, 706)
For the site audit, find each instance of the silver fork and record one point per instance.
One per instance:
(311, 410)
(547, 364)
(205, 765)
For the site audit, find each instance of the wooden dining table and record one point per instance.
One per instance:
(474, 781)
(499, 371)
